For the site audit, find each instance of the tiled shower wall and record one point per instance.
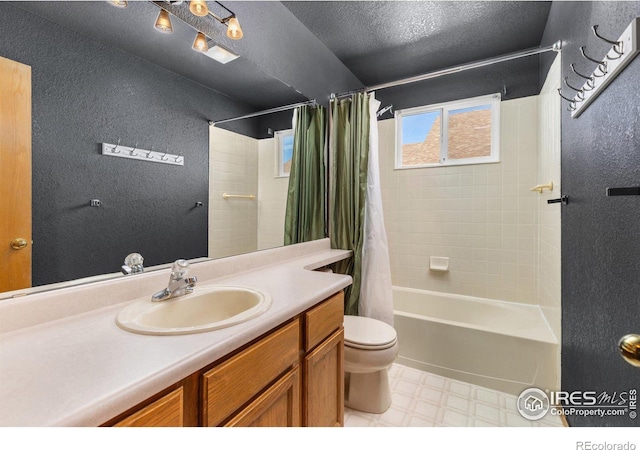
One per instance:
(233, 168)
(483, 217)
(549, 272)
(272, 197)
(243, 165)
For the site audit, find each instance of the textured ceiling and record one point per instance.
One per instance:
(297, 50)
(382, 41)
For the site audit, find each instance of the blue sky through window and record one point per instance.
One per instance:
(287, 149)
(416, 127)
(473, 108)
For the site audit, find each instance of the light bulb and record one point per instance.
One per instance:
(119, 3)
(233, 29)
(200, 43)
(198, 7)
(163, 22)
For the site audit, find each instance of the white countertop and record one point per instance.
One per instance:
(82, 370)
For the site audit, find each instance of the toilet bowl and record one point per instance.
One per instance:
(370, 347)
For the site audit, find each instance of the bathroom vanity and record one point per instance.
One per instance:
(65, 361)
(291, 376)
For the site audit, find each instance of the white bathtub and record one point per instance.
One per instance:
(500, 345)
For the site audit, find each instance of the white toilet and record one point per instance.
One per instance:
(370, 347)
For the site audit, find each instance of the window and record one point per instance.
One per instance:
(284, 140)
(454, 133)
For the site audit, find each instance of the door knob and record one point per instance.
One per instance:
(18, 243)
(629, 347)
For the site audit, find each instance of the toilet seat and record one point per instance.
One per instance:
(365, 333)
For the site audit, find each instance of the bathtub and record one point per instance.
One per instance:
(500, 345)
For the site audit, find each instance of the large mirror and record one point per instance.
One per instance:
(103, 75)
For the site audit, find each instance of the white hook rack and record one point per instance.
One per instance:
(121, 151)
(620, 55)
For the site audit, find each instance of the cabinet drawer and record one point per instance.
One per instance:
(165, 412)
(323, 320)
(234, 382)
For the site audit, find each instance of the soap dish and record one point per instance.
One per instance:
(439, 263)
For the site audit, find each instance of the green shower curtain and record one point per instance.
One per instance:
(305, 213)
(350, 159)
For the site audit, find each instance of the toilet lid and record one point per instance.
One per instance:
(367, 333)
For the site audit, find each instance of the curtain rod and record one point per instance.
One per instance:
(266, 111)
(460, 68)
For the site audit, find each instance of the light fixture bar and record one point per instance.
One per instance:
(266, 111)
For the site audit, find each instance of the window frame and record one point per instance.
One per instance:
(280, 136)
(493, 100)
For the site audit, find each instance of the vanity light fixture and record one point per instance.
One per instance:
(119, 3)
(163, 22)
(233, 29)
(200, 43)
(199, 8)
(231, 22)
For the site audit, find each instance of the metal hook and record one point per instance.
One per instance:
(115, 149)
(150, 155)
(590, 81)
(602, 65)
(572, 102)
(617, 45)
(580, 92)
(165, 157)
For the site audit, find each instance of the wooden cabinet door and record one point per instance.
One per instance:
(233, 383)
(165, 412)
(278, 406)
(15, 173)
(324, 383)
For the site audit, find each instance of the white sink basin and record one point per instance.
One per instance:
(206, 308)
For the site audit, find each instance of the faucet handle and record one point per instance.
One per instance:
(133, 264)
(179, 269)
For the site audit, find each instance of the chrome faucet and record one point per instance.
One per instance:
(133, 264)
(179, 283)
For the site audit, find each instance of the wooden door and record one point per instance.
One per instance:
(324, 383)
(278, 406)
(15, 175)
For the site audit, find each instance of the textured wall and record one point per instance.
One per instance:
(600, 245)
(83, 94)
(483, 217)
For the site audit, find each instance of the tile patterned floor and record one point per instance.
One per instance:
(422, 399)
